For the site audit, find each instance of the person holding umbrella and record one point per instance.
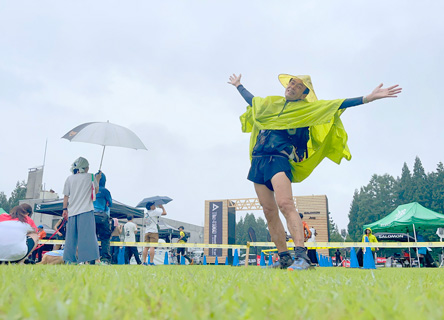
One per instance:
(151, 228)
(79, 193)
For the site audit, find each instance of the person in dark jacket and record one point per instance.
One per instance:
(102, 216)
(338, 257)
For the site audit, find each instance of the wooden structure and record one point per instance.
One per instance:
(220, 228)
(314, 208)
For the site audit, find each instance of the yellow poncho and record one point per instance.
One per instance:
(327, 134)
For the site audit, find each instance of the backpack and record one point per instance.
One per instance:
(299, 138)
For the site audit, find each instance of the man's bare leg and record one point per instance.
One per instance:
(152, 255)
(144, 254)
(271, 212)
(284, 198)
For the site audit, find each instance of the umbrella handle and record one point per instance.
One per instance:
(101, 160)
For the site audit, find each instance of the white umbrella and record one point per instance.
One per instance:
(105, 134)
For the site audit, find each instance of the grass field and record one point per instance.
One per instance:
(218, 292)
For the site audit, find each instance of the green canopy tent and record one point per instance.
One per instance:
(2, 211)
(408, 217)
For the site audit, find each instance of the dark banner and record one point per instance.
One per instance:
(215, 227)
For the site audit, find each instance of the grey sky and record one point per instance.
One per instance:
(161, 69)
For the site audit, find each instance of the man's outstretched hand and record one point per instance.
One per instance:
(235, 80)
(380, 93)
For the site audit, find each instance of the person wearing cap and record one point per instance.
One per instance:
(307, 232)
(182, 251)
(42, 232)
(151, 229)
(79, 193)
(39, 252)
(290, 136)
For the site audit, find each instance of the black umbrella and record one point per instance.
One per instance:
(156, 199)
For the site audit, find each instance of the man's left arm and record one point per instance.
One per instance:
(378, 93)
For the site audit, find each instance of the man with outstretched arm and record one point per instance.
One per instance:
(290, 136)
(151, 229)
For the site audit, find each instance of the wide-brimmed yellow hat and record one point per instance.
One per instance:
(306, 80)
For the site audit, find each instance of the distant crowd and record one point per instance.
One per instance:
(86, 219)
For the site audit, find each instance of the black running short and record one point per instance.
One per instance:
(263, 168)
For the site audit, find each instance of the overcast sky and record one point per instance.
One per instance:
(161, 69)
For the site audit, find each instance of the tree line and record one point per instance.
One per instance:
(19, 193)
(384, 193)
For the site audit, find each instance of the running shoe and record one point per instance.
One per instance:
(283, 263)
(300, 263)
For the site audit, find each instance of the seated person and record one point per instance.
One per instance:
(18, 234)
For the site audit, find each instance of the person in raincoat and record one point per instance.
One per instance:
(290, 136)
(371, 238)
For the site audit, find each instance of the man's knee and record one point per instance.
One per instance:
(270, 211)
(286, 206)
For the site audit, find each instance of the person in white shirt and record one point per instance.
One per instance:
(311, 253)
(79, 191)
(129, 231)
(313, 235)
(18, 234)
(151, 231)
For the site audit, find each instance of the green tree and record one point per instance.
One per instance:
(259, 226)
(240, 232)
(404, 186)
(333, 234)
(17, 194)
(383, 194)
(4, 204)
(436, 180)
(353, 216)
(371, 203)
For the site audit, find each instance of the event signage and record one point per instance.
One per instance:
(215, 227)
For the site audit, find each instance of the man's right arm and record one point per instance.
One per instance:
(245, 94)
(235, 81)
(163, 210)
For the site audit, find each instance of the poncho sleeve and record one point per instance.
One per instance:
(328, 138)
